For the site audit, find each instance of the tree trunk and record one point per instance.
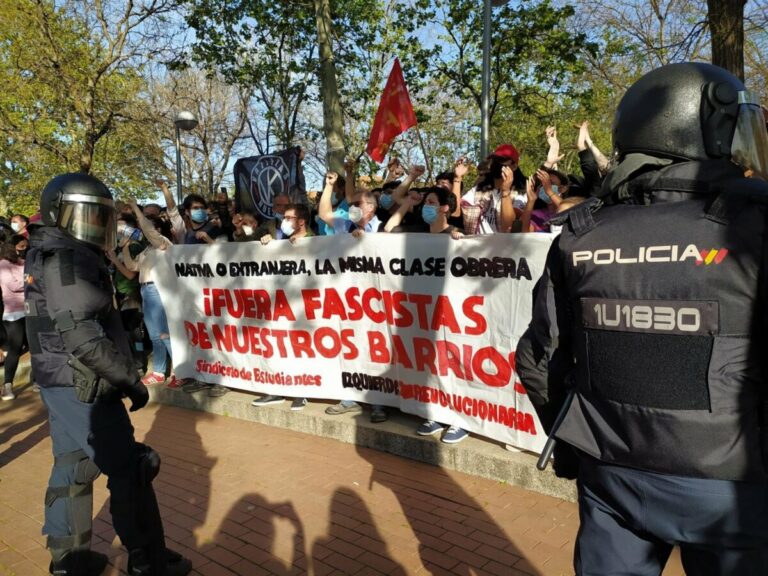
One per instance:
(333, 125)
(726, 24)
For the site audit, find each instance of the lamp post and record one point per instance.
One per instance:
(184, 121)
(485, 121)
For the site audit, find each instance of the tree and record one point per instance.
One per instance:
(222, 111)
(726, 23)
(73, 89)
(299, 51)
(265, 47)
(533, 53)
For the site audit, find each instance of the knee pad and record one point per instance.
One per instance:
(147, 464)
(86, 471)
(78, 497)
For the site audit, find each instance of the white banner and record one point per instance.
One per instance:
(432, 333)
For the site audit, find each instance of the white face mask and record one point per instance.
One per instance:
(287, 227)
(247, 230)
(15, 226)
(355, 214)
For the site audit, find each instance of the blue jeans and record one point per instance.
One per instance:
(157, 326)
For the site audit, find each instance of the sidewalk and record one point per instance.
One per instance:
(244, 498)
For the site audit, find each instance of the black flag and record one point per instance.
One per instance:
(258, 179)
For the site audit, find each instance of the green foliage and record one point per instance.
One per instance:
(64, 107)
(534, 53)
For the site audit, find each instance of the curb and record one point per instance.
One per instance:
(476, 456)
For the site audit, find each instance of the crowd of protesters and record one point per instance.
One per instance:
(503, 200)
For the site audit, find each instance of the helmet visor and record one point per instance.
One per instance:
(750, 141)
(89, 219)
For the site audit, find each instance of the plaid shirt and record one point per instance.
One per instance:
(481, 211)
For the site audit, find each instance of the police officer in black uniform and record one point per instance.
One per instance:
(82, 361)
(649, 335)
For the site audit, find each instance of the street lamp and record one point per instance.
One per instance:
(184, 121)
(485, 121)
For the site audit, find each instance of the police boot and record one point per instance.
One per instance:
(79, 563)
(140, 564)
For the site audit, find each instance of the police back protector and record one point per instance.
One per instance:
(666, 300)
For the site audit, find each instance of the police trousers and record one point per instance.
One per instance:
(104, 432)
(631, 519)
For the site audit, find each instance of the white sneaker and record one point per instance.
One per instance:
(8, 392)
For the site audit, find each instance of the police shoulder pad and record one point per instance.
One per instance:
(579, 218)
(730, 198)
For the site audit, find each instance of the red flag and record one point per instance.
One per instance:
(394, 116)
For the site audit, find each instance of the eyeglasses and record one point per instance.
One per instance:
(290, 217)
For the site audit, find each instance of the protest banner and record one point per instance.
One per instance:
(420, 322)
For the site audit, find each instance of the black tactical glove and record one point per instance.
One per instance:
(138, 394)
(566, 461)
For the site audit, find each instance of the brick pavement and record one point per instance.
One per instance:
(242, 498)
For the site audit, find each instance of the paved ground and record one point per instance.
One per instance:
(243, 498)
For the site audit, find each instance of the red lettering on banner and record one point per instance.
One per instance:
(333, 306)
(424, 354)
(421, 301)
(377, 316)
(404, 316)
(503, 416)
(401, 309)
(443, 316)
(449, 357)
(467, 350)
(206, 301)
(400, 353)
(348, 342)
(269, 350)
(197, 335)
(257, 341)
(280, 335)
(282, 307)
(246, 303)
(253, 335)
(223, 337)
(468, 307)
(322, 335)
(377, 346)
(301, 343)
(501, 378)
(353, 304)
(311, 298)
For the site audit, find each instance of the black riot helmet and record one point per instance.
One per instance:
(692, 111)
(82, 207)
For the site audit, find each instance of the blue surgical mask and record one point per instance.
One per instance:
(386, 201)
(429, 213)
(199, 215)
(279, 217)
(544, 197)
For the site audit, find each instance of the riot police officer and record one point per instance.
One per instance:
(649, 335)
(82, 361)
